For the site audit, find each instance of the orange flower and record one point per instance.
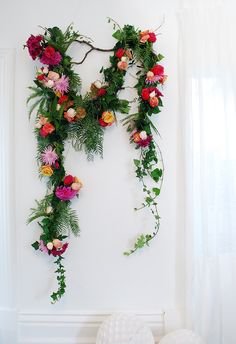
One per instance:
(136, 137)
(80, 112)
(144, 36)
(46, 170)
(153, 101)
(122, 65)
(108, 117)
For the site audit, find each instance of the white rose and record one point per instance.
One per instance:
(49, 210)
(58, 107)
(125, 59)
(38, 125)
(98, 84)
(152, 94)
(49, 246)
(45, 70)
(143, 135)
(49, 83)
(71, 112)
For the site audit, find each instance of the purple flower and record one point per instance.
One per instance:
(49, 156)
(42, 246)
(50, 56)
(62, 85)
(65, 193)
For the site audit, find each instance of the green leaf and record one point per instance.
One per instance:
(160, 57)
(156, 174)
(118, 35)
(35, 245)
(156, 191)
(136, 162)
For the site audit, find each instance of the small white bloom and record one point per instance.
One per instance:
(50, 246)
(152, 94)
(143, 135)
(58, 107)
(125, 59)
(49, 210)
(71, 112)
(49, 83)
(45, 70)
(38, 125)
(98, 84)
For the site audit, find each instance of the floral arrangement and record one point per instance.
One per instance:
(62, 114)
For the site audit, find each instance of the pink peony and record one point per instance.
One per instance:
(34, 47)
(62, 85)
(65, 193)
(50, 56)
(58, 252)
(49, 156)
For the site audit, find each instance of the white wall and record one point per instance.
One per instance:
(100, 279)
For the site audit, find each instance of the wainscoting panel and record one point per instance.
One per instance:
(73, 328)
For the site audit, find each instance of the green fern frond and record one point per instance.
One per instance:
(66, 220)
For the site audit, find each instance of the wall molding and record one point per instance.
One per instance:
(8, 313)
(74, 327)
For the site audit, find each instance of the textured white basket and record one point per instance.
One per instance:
(181, 337)
(124, 329)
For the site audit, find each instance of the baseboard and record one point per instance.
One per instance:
(73, 328)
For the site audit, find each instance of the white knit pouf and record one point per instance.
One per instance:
(124, 329)
(181, 337)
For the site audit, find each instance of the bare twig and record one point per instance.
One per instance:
(90, 50)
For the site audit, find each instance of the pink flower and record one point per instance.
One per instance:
(50, 56)
(49, 156)
(58, 252)
(62, 85)
(34, 47)
(42, 246)
(65, 193)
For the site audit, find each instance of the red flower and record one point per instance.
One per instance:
(158, 70)
(58, 252)
(102, 123)
(40, 77)
(145, 93)
(56, 165)
(34, 47)
(120, 52)
(50, 56)
(101, 92)
(152, 37)
(68, 180)
(62, 99)
(47, 129)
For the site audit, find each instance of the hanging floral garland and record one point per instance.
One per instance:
(64, 114)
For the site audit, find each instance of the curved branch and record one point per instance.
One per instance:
(89, 51)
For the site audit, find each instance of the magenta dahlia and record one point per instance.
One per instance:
(50, 56)
(65, 193)
(58, 252)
